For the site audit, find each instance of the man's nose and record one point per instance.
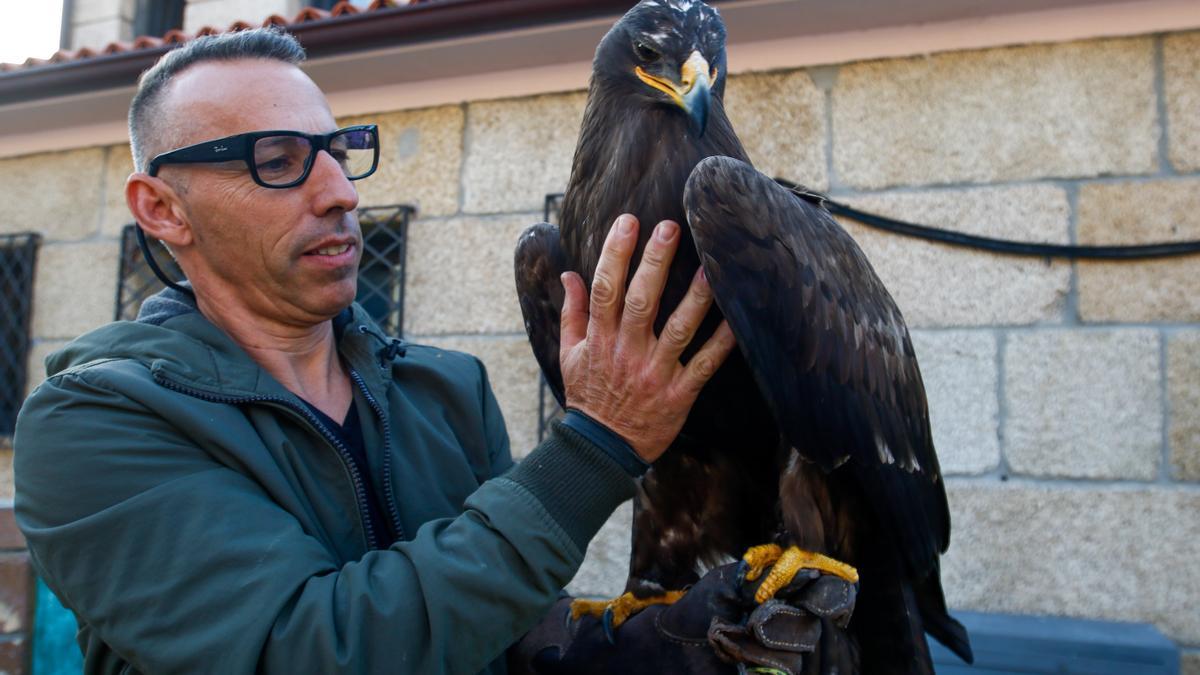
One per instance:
(332, 188)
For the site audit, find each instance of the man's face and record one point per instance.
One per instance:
(288, 254)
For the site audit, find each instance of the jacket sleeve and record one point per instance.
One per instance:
(179, 562)
(499, 451)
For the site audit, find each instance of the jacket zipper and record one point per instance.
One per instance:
(388, 493)
(355, 477)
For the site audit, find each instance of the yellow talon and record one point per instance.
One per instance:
(787, 564)
(580, 607)
(623, 607)
(760, 558)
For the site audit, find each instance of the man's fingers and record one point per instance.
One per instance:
(641, 301)
(574, 318)
(705, 363)
(681, 326)
(608, 283)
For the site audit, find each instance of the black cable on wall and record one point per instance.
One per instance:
(1000, 246)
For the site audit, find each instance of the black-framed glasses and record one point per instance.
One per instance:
(283, 159)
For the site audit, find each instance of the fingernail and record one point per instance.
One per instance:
(625, 224)
(667, 230)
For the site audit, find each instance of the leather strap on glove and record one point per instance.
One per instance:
(803, 636)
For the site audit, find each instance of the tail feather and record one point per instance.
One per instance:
(938, 622)
(888, 628)
(892, 618)
(953, 635)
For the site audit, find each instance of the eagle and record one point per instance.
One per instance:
(811, 446)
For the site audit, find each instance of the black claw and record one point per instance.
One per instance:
(607, 622)
(742, 568)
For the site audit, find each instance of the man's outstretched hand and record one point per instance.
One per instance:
(716, 627)
(615, 370)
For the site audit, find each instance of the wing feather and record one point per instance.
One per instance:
(538, 263)
(827, 344)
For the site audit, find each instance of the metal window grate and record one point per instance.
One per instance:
(18, 255)
(548, 408)
(380, 272)
(135, 281)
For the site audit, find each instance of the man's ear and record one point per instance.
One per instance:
(156, 207)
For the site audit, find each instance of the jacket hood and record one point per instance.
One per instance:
(181, 346)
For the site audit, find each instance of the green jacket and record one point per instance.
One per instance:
(194, 517)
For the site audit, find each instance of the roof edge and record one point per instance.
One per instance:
(321, 37)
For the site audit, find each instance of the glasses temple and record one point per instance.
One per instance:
(149, 256)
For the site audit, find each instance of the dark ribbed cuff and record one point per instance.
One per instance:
(607, 440)
(578, 483)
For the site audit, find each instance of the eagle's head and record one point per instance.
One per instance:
(666, 52)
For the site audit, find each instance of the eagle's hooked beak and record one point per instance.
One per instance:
(692, 93)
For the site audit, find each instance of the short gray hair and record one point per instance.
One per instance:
(145, 129)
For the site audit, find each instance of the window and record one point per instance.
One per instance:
(18, 253)
(135, 280)
(380, 272)
(156, 17)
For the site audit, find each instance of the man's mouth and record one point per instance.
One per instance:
(331, 250)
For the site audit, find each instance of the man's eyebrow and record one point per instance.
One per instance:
(275, 140)
(235, 165)
(284, 138)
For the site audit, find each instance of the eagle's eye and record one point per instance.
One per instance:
(646, 53)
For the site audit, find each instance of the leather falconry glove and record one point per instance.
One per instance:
(715, 628)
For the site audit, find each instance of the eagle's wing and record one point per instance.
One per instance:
(538, 263)
(826, 342)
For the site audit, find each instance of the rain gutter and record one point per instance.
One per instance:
(323, 37)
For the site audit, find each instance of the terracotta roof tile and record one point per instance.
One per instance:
(146, 42)
(275, 20)
(310, 14)
(343, 9)
(175, 37)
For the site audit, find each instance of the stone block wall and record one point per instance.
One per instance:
(95, 23)
(220, 13)
(1065, 397)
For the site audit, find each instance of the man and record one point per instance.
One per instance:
(250, 478)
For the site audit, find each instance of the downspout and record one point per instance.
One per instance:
(66, 28)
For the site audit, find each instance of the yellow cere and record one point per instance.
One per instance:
(694, 68)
